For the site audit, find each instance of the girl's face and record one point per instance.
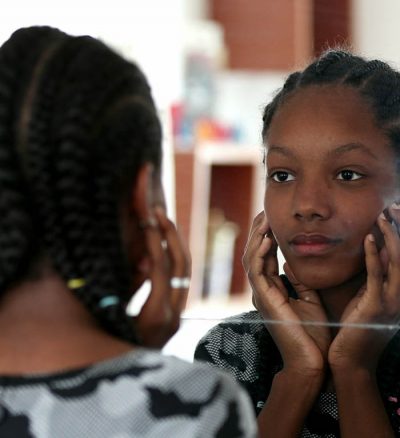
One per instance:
(330, 173)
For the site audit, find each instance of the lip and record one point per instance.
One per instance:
(313, 244)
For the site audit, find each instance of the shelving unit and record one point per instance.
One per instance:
(228, 176)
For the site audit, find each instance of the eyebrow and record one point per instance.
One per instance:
(339, 150)
(280, 150)
(351, 147)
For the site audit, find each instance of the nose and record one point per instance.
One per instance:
(312, 201)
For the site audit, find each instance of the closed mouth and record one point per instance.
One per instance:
(313, 244)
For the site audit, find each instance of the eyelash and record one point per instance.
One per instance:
(353, 172)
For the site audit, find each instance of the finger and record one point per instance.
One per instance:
(392, 244)
(257, 221)
(304, 293)
(268, 294)
(259, 261)
(255, 224)
(159, 317)
(392, 240)
(254, 241)
(374, 268)
(394, 212)
(384, 258)
(263, 249)
(259, 225)
(159, 267)
(175, 247)
(179, 264)
(271, 265)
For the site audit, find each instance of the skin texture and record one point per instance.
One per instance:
(330, 173)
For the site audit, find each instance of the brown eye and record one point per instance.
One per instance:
(349, 175)
(282, 176)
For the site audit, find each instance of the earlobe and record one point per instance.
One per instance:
(142, 193)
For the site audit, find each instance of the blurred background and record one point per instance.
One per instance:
(213, 65)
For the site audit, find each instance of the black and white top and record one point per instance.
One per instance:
(139, 394)
(242, 346)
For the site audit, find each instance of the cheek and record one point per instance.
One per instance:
(360, 219)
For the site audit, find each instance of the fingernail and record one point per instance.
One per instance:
(371, 238)
(382, 216)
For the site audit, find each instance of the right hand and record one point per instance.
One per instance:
(303, 348)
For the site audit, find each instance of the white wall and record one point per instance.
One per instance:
(150, 31)
(147, 31)
(376, 29)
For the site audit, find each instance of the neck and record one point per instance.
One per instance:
(45, 299)
(42, 320)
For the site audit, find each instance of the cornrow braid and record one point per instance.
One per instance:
(17, 236)
(379, 85)
(375, 80)
(92, 123)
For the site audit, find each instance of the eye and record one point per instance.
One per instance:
(282, 176)
(349, 175)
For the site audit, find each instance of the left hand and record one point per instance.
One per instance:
(377, 302)
(159, 318)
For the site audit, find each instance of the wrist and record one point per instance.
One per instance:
(353, 373)
(283, 419)
(304, 371)
(349, 366)
(301, 377)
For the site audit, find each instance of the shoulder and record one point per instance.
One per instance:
(143, 392)
(242, 346)
(244, 324)
(234, 345)
(214, 403)
(237, 335)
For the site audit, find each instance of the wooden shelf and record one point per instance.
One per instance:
(231, 177)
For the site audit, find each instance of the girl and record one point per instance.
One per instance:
(321, 356)
(82, 225)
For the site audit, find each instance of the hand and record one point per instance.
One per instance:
(377, 302)
(159, 318)
(303, 347)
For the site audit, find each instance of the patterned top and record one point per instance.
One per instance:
(242, 346)
(139, 394)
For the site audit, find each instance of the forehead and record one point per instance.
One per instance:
(317, 118)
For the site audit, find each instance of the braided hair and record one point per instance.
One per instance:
(375, 80)
(76, 123)
(379, 85)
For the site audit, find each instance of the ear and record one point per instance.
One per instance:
(143, 192)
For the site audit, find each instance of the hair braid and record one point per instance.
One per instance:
(92, 162)
(17, 236)
(76, 123)
(375, 80)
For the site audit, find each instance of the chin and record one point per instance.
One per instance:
(319, 279)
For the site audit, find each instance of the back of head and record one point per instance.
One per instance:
(76, 123)
(375, 80)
